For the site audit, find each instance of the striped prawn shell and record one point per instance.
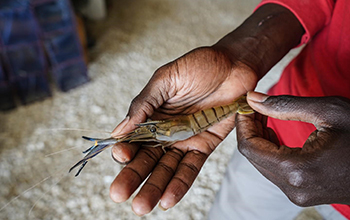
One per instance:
(202, 120)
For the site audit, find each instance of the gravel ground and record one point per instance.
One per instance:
(136, 38)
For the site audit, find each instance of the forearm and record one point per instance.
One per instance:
(264, 38)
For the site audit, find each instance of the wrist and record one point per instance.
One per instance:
(263, 39)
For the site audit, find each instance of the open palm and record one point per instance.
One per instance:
(203, 78)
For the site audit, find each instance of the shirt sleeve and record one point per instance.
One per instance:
(312, 14)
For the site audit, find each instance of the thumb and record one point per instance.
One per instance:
(142, 107)
(284, 107)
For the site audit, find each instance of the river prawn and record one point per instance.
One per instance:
(166, 132)
(162, 133)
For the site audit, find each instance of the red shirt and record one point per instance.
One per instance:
(321, 69)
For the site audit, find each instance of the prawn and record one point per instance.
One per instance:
(167, 132)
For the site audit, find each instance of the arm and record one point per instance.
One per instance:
(264, 38)
(200, 79)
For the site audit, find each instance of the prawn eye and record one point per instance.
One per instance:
(153, 129)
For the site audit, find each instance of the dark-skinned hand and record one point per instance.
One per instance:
(317, 173)
(201, 79)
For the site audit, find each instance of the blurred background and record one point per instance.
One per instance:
(78, 65)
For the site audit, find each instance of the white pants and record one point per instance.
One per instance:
(245, 194)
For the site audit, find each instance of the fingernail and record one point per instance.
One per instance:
(161, 207)
(115, 155)
(120, 127)
(137, 212)
(257, 96)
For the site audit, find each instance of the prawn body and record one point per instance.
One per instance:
(166, 132)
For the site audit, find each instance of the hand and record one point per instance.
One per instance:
(201, 79)
(317, 173)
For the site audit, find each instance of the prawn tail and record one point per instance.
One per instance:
(93, 146)
(91, 139)
(82, 162)
(95, 150)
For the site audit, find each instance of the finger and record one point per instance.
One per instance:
(198, 149)
(256, 148)
(273, 136)
(124, 152)
(263, 131)
(284, 107)
(153, 95)
(183, 179)
(154, 187)
(260, 122)
(120, 129)
(255, 145)
(152, 190)
(133, 174)
(313, 110)
(273, 161)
